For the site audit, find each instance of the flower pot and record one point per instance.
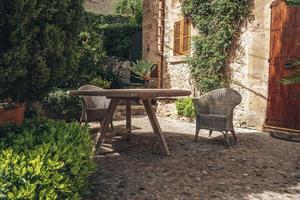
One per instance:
(14, 115)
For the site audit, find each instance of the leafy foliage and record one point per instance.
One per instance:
(293, 2)
(92, 54)
(117, 38)
(142, 69)
(218, 23)
(45, 159)
(132, 8)
(101, 83)
(92, 20)
(59, 105)
(185, 107)
(38, 45)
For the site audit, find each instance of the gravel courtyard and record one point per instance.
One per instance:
(259, 167)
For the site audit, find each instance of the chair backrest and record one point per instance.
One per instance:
(222, 101)
(94, 102)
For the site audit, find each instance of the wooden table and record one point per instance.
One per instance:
(128, 94)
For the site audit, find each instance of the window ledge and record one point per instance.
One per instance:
(178, 59)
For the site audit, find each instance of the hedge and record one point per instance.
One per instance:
(45, 159)
(38, 46)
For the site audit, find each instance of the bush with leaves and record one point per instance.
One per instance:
(38, 46)
(45, 159)
(59, 105)
(92, 54)
(218, 23)
(117, 38)
(185, 108)
(131, 8)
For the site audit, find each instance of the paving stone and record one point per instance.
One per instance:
(259, 167)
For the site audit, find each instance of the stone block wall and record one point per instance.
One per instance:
(250, 69)
(176, 72)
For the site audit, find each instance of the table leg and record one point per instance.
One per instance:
(107, 119)
(155, 125)
(128, 116)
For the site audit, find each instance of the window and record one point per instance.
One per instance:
(182, 37)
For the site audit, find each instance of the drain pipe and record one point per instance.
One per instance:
(160, 40)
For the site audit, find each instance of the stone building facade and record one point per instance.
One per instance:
(248, 71)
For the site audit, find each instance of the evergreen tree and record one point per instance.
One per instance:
(38, 45)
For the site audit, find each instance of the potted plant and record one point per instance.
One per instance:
(11, 112)
(37, 51)
(142, 70)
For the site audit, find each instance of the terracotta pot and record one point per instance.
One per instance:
(14, 115)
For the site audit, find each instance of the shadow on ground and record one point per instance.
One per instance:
(259, 167)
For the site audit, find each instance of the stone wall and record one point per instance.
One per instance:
(249, 72)
(175, 70)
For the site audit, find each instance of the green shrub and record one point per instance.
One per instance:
(116, 32)
(92, 20)
(92, 54)
(59, 105)
(100, 83)
(38, 46)
(45, 159)
(131, 8)
(117, 38)
(185, 107)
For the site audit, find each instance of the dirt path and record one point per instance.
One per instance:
(259, 167)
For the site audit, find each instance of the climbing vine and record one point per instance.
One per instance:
(218, 23)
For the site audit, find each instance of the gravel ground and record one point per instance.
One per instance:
(259, 167)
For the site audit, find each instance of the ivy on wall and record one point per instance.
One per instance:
(218, 23)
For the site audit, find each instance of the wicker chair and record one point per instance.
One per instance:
(93, 107)
(214, 112)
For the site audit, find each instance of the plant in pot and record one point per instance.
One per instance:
(142, 70)
(38, 49)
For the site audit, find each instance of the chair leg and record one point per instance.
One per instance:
(226, 138)
(234, 135)
(197, 134)
(210, 133)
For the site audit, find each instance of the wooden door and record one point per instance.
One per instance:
(284, 101)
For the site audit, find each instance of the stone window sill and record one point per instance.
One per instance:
(178, 59)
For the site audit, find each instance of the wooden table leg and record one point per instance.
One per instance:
(107, 119)
(155, 125)
(128, 116)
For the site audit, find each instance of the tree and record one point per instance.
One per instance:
(38, 46)
(133, 8)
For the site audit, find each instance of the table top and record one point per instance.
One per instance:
(131, 93)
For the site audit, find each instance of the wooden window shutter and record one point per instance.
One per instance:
(182, 37)
(177, 38)
(186, 40)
